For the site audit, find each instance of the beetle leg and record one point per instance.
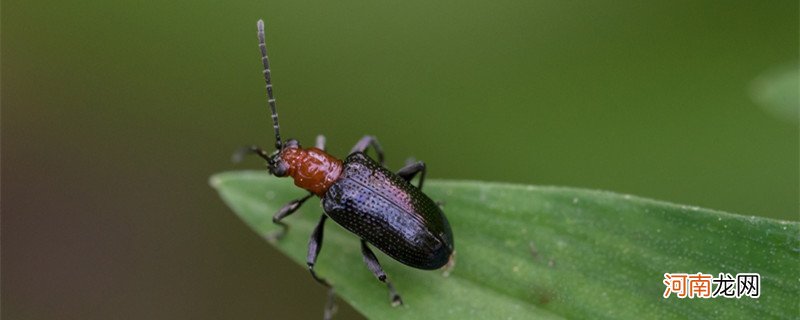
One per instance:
(320, 142)
(239, 154)
(409, 171)
(366, 142)
(375, 267)
(314, 246)
(288, 209)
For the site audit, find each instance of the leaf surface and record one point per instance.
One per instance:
(544, 252)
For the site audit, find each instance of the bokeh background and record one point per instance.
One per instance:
(114, 114)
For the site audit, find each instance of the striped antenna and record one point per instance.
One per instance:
(268, 78)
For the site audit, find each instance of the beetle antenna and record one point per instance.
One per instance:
(268, 78)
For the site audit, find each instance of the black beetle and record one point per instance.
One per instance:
(381, 207)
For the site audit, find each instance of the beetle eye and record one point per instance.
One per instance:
(292, 143)
(278, 167)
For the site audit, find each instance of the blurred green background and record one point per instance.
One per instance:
(115, 114)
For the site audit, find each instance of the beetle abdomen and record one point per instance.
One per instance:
(391, 214)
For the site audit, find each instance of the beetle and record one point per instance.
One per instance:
(381, 207)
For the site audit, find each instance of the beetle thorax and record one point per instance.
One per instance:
(312, 169)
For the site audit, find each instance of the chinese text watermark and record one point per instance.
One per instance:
(701, 285)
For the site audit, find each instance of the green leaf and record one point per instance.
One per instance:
(546, 252)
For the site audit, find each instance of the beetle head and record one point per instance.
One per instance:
(277, 165)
